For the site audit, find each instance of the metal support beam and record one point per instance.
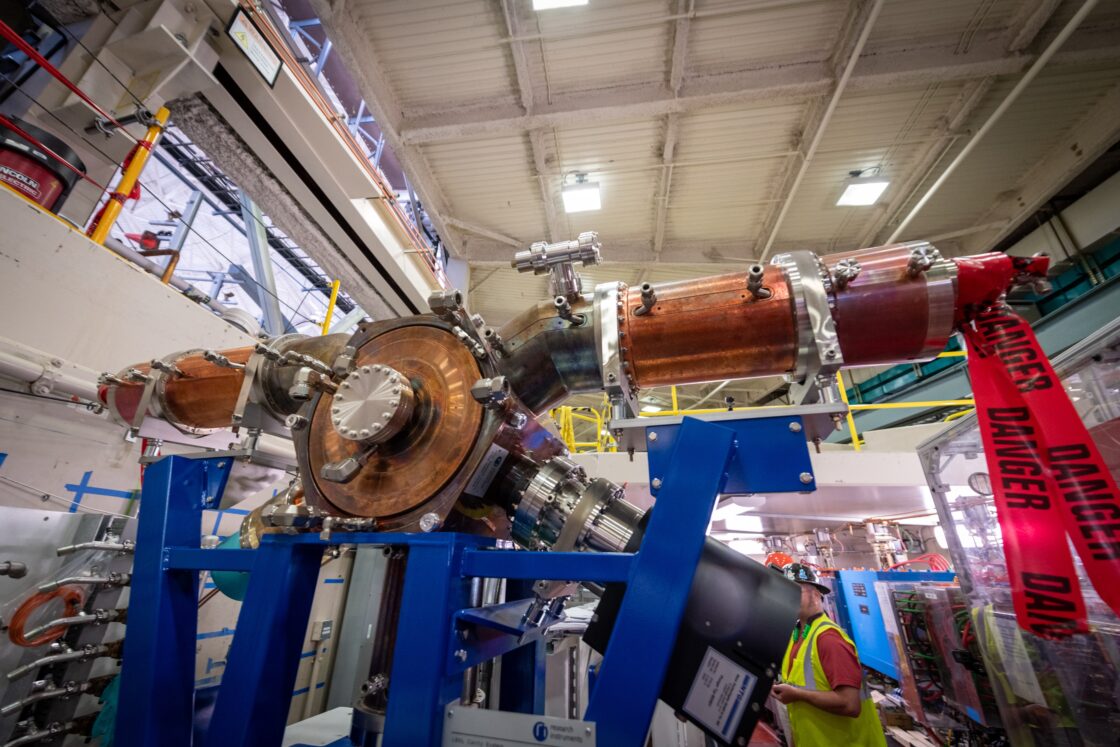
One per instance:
(1082, 144)
(357, 119)
(383, 103)
(186, 220)
(484, 232)
(324, 53)
(818, 134)
(259, 251)
(791, 82)
(1004, 105)
(668, 148)
(544, 153)
(346, 323)
(951, 129)
(677, 63)
(541, 141)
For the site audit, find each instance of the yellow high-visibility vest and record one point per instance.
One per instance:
(811, 726)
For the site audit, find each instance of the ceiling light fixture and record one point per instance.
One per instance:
(550, 4)
(861, 191)
(581, 196)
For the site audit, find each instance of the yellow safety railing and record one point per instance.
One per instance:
(856, 441)
(566, 418)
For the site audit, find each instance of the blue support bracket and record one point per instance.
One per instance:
(218, 559)
(645, 630)
(554, 566)
(771, 456)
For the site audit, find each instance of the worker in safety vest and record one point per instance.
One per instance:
(822, 681)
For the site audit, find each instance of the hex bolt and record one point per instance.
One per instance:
(461, 654)
(653, 435)
(655, 483)
(429, 522)
(795, 427)
(805, 477)
(295, 421)
(491, 392)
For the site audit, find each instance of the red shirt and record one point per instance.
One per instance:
(837, 658)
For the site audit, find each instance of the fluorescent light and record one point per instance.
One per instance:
(743, 523)
(581, 197)
(550, 4)
(863, 191)
(647, 408)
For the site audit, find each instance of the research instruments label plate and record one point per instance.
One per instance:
(475, 727)
(719, 694)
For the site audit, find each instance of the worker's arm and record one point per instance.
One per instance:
(843, 701)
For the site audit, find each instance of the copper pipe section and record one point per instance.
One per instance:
(201, 395)
(888, 313)
(890, 304)
(709, 329)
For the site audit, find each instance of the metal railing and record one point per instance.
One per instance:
(567, 417)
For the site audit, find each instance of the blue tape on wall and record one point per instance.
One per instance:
(83, 489)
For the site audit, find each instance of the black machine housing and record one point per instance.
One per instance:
(737, 608)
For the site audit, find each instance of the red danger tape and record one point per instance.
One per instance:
(1048, 477)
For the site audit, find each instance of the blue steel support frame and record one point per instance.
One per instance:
(439, 635)
(157, 682)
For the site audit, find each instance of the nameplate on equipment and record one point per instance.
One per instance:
(487, 471)
(719, 694)
(476, 727)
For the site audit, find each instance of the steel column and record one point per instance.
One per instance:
(419, 681)
(262, 266)
(186, 220)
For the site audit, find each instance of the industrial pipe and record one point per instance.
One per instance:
(89, 651)
(198, 389)
(52, 380)
(188, 290)
(392, 423)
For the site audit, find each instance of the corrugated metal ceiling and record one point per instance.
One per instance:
(607, 87)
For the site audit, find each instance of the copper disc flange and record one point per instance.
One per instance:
(405, 472)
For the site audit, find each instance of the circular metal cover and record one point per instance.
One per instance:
(402, 474)
(372, 404)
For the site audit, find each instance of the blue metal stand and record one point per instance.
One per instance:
(439, 635)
